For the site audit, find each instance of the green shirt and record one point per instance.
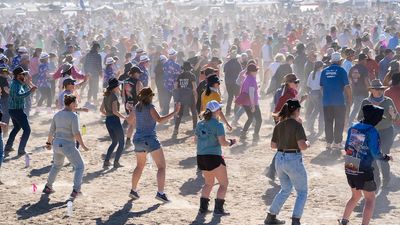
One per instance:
(207, 133)
(385, 104)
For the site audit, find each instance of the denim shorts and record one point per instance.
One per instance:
(148, 144)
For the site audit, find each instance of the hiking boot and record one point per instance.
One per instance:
(271, 219)
(106, 164)
(48, 190)
(204, 205)
(296, 221)
(162, 197)
(117, 165)
(134, 195)
(219, 208)
(343, 222)
(329, 146)
(176, 131)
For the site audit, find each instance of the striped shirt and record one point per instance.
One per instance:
(18, 93)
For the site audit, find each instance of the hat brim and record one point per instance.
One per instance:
(220, 106)
(378, 87)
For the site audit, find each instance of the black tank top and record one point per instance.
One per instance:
(131, 96)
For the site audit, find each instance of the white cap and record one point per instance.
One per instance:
(144, 58)
(213, 106)
(139, 50)
(110, 60)
(22, 50)
(44, 55)
(335, 57)
(172, 52)
(163, 58)
(2, 57)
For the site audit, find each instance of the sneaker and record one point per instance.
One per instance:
(75, 194)
(338, 146)
(128, 144)
(343, 222)
(47, 190)
(256, 137)
(117, 165)
(106, 164)
(329, 146)
(134, 195)
(162, 197)
(175, 132)
(243, 136)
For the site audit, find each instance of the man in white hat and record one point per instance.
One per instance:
(335, 86)
(17, 59)
(144, 64)
(171, 72)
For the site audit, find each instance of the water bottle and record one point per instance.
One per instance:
(149, 161)
(83, 129)
(27, 160)
(69, 208)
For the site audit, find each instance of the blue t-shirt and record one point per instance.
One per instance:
(363, 142)
(207, 133)
(145, 124)
(333, 80)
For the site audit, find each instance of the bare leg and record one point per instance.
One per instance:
(352, 203)
(222, 177)
(158, 157)
(141, 162)
(209, 179)
(368, 207)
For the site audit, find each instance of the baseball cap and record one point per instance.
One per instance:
(68, 81)
(335, 57)
(293, 104)
(135, 69)
(213, 106)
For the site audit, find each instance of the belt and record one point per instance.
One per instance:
(289, 151)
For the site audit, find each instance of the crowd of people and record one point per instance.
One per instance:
(340, 68)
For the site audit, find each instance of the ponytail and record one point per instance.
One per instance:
(208, 90)
(206, 115)
(284, 113)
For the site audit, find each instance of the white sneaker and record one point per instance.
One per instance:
(328, 145)
(338, 146)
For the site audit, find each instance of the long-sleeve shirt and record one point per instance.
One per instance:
(15, 62)
(18, 93)
(43, 79)
(74, 73)
(93, 64)
(144, 77)
(65, 125)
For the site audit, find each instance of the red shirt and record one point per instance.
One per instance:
(394, 93)
(290, 93)
(373, 68)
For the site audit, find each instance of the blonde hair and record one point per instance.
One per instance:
(279, 58)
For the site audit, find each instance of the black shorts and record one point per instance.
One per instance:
(209, 162)
(362, 181)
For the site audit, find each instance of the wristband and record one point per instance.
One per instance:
(48, 143)
(386, 158)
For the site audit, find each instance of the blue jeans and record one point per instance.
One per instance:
(20, 120)
(4, 110)
(357, 100)
(116, 132)
(62, 149)
(291, 172)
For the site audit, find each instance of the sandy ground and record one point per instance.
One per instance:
(106, 200)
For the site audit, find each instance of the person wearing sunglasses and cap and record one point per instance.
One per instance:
(171, 72)
(144, 64)
(146, 142)
(384, 127)
(362, 150)
(210, 137)
(20, 89)
(289, 139)
(110, 108)
(109, 71)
